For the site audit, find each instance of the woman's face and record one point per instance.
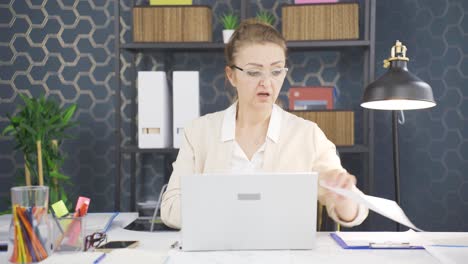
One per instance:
(258, 74)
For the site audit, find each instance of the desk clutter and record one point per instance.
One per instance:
(69, 229)
(446, 247)
(35, 235)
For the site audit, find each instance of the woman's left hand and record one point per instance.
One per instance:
(345, 208)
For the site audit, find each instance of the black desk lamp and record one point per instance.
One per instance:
(397, 89)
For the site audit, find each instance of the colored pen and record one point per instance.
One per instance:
(99, 259)
(109, 223)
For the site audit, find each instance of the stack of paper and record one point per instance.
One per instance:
(449, 255)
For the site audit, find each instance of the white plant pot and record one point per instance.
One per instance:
(227, 33)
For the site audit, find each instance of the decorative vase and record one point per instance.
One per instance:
(30, 230)
(227, 33)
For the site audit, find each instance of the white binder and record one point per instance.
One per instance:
(186, 95)
(154, 127)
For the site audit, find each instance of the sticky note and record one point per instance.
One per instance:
(60, 209)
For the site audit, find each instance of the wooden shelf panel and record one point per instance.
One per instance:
(168, 151)
(216, 46)
(136, 149)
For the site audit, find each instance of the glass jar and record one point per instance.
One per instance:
(30, 230)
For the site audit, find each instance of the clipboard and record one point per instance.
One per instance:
(375, 245)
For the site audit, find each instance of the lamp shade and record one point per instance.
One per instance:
(398, 89)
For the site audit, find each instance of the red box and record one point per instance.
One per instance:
(310, 98)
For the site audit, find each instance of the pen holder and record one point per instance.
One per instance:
(69, 233)
(29, 236)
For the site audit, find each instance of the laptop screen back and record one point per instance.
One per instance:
(249, 211)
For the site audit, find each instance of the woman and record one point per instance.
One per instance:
(256, 135)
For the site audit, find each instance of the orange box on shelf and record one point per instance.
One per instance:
(311, 98)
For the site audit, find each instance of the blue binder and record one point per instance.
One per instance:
(371, 245)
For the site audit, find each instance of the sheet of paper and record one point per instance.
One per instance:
(231, 257)
(449, 255)
(130, 255)
(444, 238)
(72, 258)
(387, 208)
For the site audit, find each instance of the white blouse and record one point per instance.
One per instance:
(240, 163)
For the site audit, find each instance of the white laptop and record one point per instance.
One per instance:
(248, 211)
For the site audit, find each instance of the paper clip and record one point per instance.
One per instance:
(390, 245)
(176, 244)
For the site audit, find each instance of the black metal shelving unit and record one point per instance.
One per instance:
(367, 43)
(212, 46)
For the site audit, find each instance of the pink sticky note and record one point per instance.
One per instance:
(82, 205)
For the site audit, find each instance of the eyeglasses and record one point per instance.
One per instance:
(255, 74)
(94, 240)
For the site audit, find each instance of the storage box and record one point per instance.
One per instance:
(311, 98)
(172, 24)
(170, 2)
(301, 2)
(338, 125)
(321, 21)
(154, 123)
(186, 102)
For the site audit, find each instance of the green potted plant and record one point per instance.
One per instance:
(230, 22)
(38, 129)
(265, 17)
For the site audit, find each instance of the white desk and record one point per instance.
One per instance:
(327, 250)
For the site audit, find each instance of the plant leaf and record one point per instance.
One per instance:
(29, 129)
(68, 113)
(59, 176)
(8, 129)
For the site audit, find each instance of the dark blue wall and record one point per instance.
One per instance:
(434, 142)
(65, 49)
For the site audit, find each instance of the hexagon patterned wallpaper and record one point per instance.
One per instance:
(65, 49)
(433, 143)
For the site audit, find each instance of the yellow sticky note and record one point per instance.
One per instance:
(60, 209)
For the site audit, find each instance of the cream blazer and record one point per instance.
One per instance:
(302, 147)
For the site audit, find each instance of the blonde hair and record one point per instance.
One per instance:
(252, 31)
